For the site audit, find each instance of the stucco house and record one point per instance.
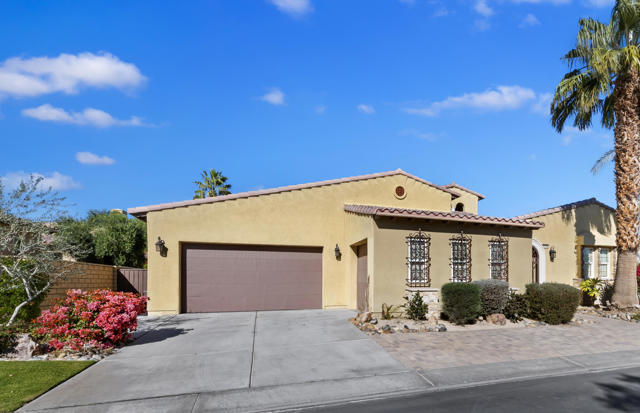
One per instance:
(577, 242)
(344, 243)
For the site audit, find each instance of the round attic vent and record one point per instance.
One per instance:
(400, 192)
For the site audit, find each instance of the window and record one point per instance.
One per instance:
(499, 258)
(460, 207)
(418, 260)
(460, 258)
(603, 263)
(587, 262)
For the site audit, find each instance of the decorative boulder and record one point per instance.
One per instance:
(498, 319)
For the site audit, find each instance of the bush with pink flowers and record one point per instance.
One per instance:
(97, 319)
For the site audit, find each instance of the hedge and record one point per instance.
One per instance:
(494, 295)
(461, 302)
(552, 303)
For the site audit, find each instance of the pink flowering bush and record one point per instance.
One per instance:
(98, 319)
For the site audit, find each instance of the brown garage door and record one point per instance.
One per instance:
(248, 278)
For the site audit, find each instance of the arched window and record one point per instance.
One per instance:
(460, 207)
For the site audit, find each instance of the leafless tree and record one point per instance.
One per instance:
(31, 245)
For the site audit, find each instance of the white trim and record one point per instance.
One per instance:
(542, 260)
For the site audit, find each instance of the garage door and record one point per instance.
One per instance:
(249, 278)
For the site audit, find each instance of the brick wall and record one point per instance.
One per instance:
(83, 276)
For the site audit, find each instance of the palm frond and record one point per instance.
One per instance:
(606, 158)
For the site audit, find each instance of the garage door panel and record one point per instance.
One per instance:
(248, 278)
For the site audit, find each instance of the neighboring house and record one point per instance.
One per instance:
(581, 237)
(347, 243)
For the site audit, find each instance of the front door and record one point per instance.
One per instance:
(535, 267)
(363, 277)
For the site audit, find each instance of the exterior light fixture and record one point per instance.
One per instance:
(160, 245)
(337, 251)
(552, 254)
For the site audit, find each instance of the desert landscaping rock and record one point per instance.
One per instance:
(498, 319)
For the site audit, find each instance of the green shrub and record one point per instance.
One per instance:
(591, 290)
(606, 294)
(11, 297)
(415, 308)
(552, 303)
(461, 302)
(494, 295)
(8, 339)
(516, 308)
(9, 335)
(388, 310)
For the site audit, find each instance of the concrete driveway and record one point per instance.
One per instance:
(237, 361)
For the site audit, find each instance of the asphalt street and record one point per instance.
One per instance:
(610, 391)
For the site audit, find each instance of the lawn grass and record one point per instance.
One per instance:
(23, 381)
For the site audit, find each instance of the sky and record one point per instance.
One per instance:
(119, 104)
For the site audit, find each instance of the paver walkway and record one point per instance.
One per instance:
(463, 348)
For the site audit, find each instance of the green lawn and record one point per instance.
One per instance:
(23, 381)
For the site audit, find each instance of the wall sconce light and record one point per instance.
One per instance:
(552, 254)
(160, 247)
(338, 252)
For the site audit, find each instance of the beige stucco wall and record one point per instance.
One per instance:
(567, 231)
(469, 201)
(307, 217)
(391, 254)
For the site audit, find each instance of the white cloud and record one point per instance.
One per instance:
(571, 132)
(274, 97)
(427, 136)
(66, 73)
(89, 116)
(367, 109)
(542, 104)
(88, 158)
(320, 109)
(294, 8)
(529, 20)
(481, 7)
(481, 25)
(501, 98)
(599, 3)
(55, 181)
(554, 2)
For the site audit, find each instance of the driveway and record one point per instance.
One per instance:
(244, 361)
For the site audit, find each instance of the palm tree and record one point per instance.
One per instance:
(604, 78)
(213, 183)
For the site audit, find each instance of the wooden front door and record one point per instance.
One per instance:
(363, 278)
(535, 266)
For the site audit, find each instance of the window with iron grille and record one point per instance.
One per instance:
(418, 260)
(499, 258)
(460, 261)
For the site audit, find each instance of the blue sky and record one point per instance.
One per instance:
(122, 104)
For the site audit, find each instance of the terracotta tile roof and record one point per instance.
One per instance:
(455, 185)
(140, 212)
(565, 207)
(440, 215)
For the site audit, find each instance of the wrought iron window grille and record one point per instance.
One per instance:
(499, 258)
(418, 259)
(460, 261)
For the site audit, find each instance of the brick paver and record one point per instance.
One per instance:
(425, 351)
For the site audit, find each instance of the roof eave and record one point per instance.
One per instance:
(141, 211)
